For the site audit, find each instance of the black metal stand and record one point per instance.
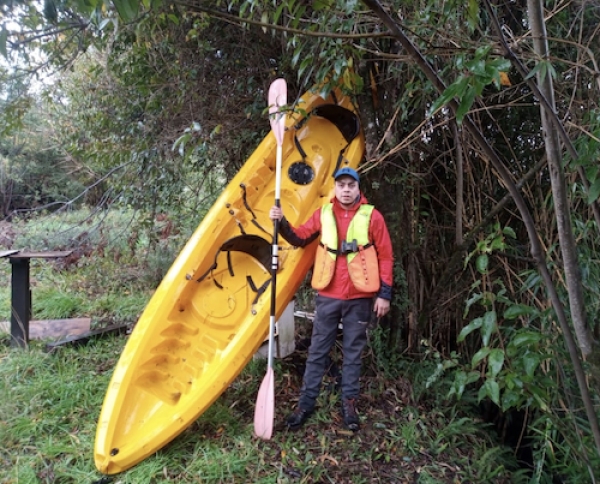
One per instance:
(21, 292)
(21, 303)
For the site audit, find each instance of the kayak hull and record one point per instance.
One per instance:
(210, 313)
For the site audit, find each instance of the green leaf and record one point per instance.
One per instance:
(539, 396)
(492, 390)
(591, 172)
(512, 380)
(498, 244)
(469, 328)
(509, 232)
(473, 376)
(594, 192)
(480, 355)
(482, 263)
(525, 338)
(460, 382)
(447, 364)
(127, 9)
(306, 62)
(476, 297)
(482, 246)
(465, 104)
(511, 400)
(495, 361)
(530, 362)
(482, 51)
(501, 64)
(86, 6)
(278, 12)
(456, 89)
(482, 393)
(180, 142)
(321, 5)
(473, 14)
(104, 23)
(542, 68)
(488, 326)
(297, 53)
(517, 310)
(479, 68)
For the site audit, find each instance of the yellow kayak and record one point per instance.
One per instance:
(211, 312)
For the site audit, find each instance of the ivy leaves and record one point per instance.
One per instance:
(475, 75)
(510, 355)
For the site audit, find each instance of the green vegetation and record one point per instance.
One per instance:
(48, 426)
(48, 418)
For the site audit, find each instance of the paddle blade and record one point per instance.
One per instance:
(277, 100)
(264, 413)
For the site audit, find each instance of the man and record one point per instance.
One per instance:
(353, 276)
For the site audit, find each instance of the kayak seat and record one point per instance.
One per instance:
(251, 244)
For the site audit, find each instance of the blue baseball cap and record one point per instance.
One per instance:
(346, 171)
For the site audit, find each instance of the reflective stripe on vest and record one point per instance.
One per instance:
(363, 266)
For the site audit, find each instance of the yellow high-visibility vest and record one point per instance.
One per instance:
(363, 266)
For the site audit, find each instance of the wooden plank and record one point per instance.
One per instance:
(6, 253)
(58, 328)
(53, 328)
(51, 254)
(85, 337)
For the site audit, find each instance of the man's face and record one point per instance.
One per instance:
(346, 190)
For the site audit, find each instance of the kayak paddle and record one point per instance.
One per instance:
(264, 413)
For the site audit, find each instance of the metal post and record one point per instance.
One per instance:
(21, 302)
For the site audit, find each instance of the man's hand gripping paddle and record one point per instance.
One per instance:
(264, 413)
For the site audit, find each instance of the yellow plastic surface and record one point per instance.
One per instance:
(194, 338)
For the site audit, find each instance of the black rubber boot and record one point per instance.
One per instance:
(349, 414)
(297, 418)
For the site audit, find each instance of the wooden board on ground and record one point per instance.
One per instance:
(87, 336)
(53, 328)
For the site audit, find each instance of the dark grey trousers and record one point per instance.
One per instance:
(355, 315)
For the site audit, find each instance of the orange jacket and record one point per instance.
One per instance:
(341, 286)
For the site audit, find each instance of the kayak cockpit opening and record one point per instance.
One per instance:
(250, 244)
(347, 123)
(342, 118)
(253, 245)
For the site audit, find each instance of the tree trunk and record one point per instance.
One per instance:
(557, 180)
(457, 132)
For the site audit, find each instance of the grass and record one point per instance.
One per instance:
(48, 424)
(47, 428)
(51, 402)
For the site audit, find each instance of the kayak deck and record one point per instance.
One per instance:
(210, 313)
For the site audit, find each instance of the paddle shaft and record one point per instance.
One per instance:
(275, 256)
